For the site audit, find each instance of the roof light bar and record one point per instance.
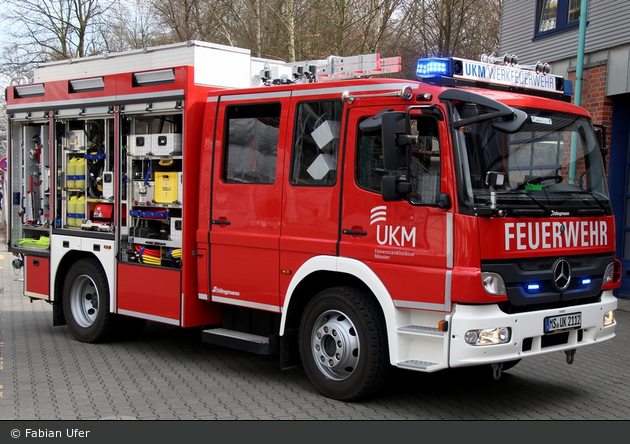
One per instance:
(448, 71)
(507, 59)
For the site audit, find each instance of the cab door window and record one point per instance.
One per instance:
(425, 166)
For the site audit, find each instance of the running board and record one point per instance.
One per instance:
(261, 345)
(417, 365)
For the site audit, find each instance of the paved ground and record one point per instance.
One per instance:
(169, 374)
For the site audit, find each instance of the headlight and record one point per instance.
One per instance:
(488, 336)
(608, 275)
(609, 318)
(493, 283)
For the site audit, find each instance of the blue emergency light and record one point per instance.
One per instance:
(435, 67)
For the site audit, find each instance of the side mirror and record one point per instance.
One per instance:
(444, 201)
(395, 140)
(392, 189)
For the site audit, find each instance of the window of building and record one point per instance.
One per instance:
(555, 16)
(316, 143)
(251, 147)
(574, 11)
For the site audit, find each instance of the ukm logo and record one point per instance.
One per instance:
(394, 236)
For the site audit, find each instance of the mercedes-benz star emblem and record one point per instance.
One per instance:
(561, 274)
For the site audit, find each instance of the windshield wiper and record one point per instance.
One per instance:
(542, 210)
(585, 211)
(525, 211)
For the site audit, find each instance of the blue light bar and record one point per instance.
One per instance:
(434, 67)
(533, 287)
(586, 281)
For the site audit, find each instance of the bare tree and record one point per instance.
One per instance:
(344, 27)
(281, 29)
(132, 24)
(56, 29)
(441, 28)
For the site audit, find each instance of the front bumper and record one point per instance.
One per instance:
(528, 337)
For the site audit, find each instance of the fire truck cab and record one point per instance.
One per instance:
(345, 222)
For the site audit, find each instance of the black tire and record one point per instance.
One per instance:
(86, 302)
(343, 344)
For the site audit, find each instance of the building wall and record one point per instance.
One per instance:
(608, 27)
(605, 87)
(594, 98)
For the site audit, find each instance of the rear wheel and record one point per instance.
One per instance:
(86, 301)
(343, 345)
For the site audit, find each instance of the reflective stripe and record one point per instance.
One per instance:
(419, 305)
(449, 240)
(256, 96)
(350, 88)
(149, 317)
(96, 100)
(240, 303)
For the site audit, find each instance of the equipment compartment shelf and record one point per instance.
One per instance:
(150, 214)
(155, 242)
(138, 204)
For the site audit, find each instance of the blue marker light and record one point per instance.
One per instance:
(586, 281)
(434, 67)
(532, 287)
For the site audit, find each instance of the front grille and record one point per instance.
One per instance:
(529, 281)
(545, 263)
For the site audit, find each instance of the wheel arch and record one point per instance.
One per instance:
(323, 272)
(64, 265)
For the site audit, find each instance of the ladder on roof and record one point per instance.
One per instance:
(331, 68)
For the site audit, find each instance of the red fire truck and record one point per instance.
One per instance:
(344, 222)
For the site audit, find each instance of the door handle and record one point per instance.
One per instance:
(220, 222)
(354, 232)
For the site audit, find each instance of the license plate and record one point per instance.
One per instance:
(569, 321)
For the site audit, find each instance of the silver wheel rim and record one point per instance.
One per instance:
(335, 345)
(84, 301)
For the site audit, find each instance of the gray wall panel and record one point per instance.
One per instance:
(607, 34)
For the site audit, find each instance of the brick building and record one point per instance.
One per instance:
(548, 31)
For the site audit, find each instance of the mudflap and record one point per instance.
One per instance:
(58, 316)
(289, 349)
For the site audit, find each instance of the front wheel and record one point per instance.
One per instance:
(86, 301)
(343, 344)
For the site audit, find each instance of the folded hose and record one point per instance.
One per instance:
(153, 256)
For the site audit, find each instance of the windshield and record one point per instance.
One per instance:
(552, 164)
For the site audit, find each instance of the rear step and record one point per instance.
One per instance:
(238, 340)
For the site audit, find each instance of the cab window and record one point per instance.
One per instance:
(251, 145)
(316, 143)
(424, 170)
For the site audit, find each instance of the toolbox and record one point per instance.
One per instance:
(165, 187)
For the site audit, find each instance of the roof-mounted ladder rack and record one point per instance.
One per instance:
(331, 68)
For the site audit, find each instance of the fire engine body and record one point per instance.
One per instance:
(348, 225)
